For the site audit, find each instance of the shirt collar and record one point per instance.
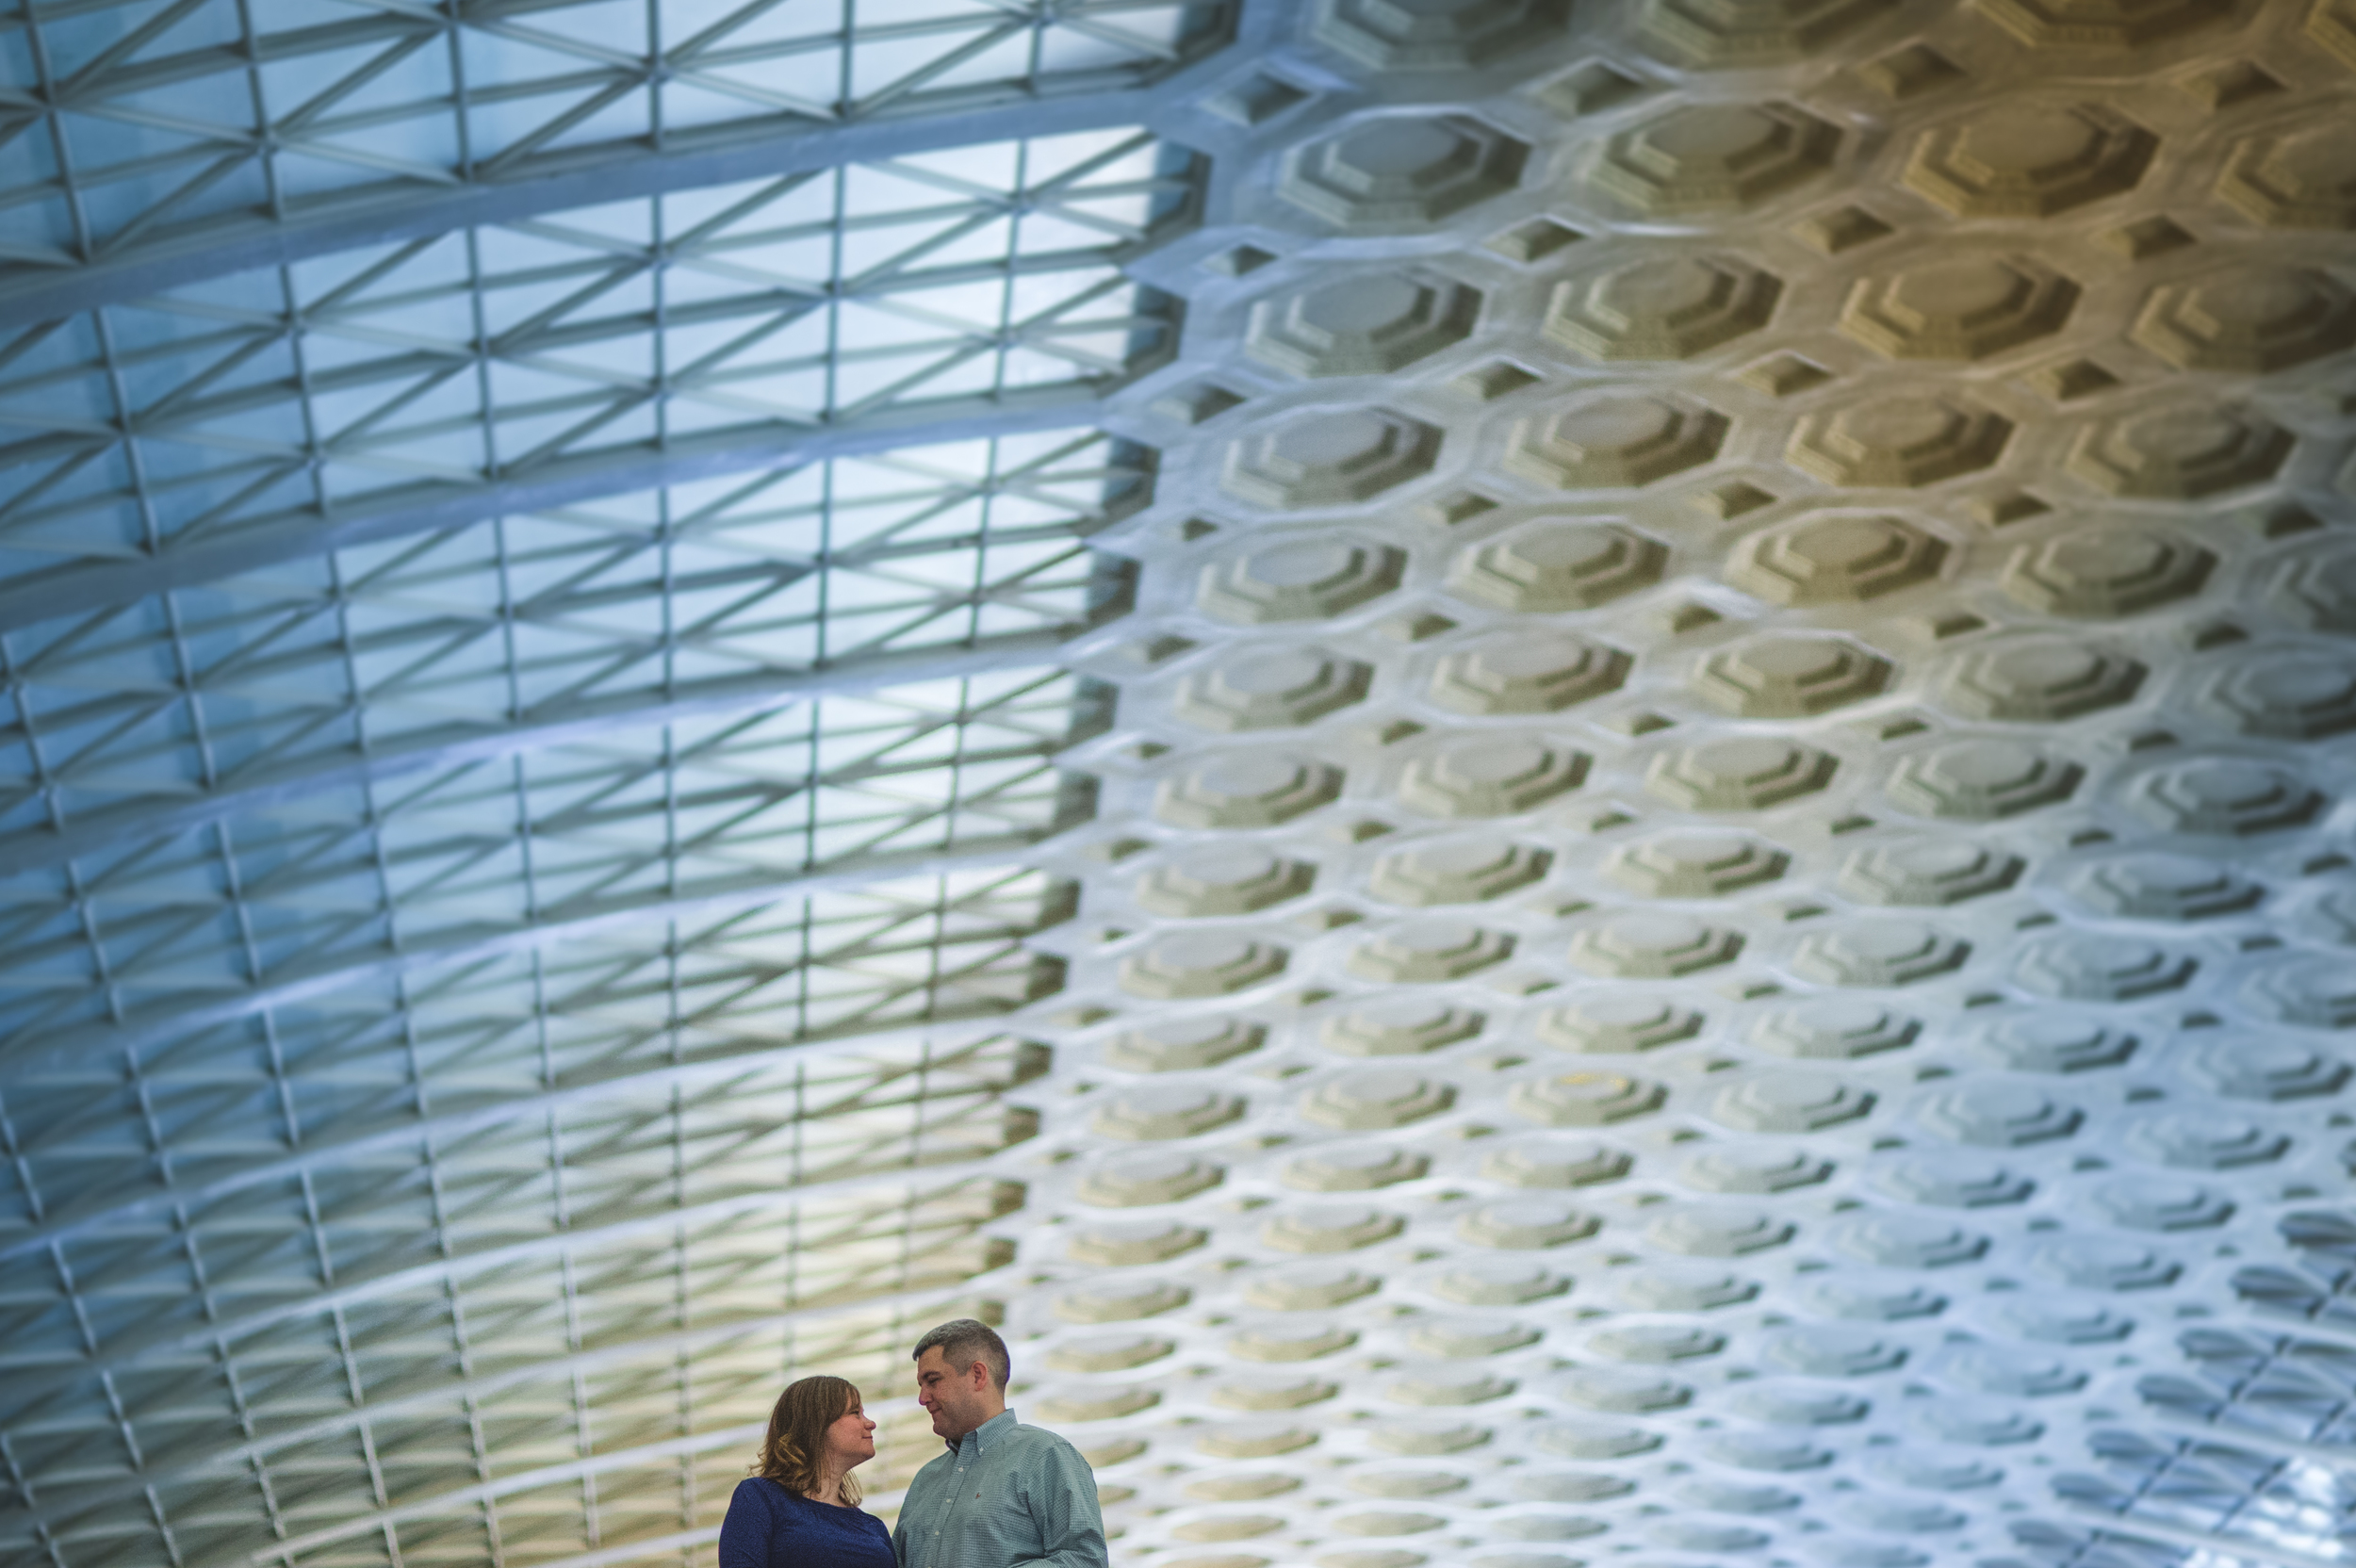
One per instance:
(987, 1433)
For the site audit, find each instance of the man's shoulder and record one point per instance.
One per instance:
(1040, 1440)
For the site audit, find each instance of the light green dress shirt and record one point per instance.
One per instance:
(1005, 1495)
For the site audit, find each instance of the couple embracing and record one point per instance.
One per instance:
(1004, 1495)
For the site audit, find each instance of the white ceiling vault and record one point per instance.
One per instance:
(1566, 781)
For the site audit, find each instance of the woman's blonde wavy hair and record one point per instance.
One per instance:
(796, 1443)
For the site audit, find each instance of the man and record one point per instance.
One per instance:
(1005, 1495)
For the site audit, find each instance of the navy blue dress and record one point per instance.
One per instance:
(768, 1526)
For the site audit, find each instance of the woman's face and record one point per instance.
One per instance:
(852, 1438)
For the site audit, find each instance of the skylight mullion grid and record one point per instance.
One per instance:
(850, 1228)
(507, 114)
(672, 719)
(104, 1186)
(391, 701)
(399, 417)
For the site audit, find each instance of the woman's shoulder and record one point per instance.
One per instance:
(763, 1492)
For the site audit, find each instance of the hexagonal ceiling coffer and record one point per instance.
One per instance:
(2224, 798)
(1960, 307)
(1199, 963)
(1981, 781)
(1361, 325)
(2180, 451)
(1927, 873)
(1330, 1229)
(1901, 441)
(1748, 33)
(1127, 1244)
(1119, 1301)
(1458, 872)
(1901, 1240)
(1753, 1169)
(2253, 1067)
(1525, 1224)
(1329, 457)
(2317, 990)
(1878, 953)
(1997, 1114)
(1298, 580)
(2102, 24)
(1539, 1161)
(1184, 1045)
(1424, 949)
(1695, 865)
(1787, 675)
(2332, 27)
(1497, 1283)
(1400, 171)
(1223, 879)
(2041, 1043)
(1526, 673)
(2317, 587)
(1608, 1022)
(1671, 306)
(1490, 776)
(1271, 689)
(1953, 1181)
(1136, 1181)
(2248, 319)
(1836, 558)
(1371, 1099)
(1585, 1099)
(1435, 35)
(1349, 1169)
(2142, 1203)
(2153, 884)
(1789, 1102)
(2107, 571)
(1696, 1231)
(2296, 178)
(2040, 679)
(1834, 1028)
(2016, 159)
(1165, 1111)
(2094, 965)
(2288, 696)
(1714, 157)
(1405, 1027)
(1653, 946)
(1549, 565)
(1739, 773)
(1247, 789)
(1616, 441)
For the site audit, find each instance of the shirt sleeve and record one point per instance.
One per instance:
(744, 1532)
(1063, 1505)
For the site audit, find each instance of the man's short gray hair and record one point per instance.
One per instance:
(965, 1341)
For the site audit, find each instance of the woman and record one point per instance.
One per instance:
(800, 1507)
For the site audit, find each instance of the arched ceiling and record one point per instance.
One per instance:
(1560, 781)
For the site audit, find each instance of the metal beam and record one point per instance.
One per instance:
(435, 1402)
(36, 847)
(587, 178)
(77, 590)
(659, 1225)
(173, 1205)
(2338, 1456)
(2150, 1532)
(55, 1051)
(469, 1497)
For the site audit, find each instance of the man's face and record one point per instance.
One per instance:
(958, 1400)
